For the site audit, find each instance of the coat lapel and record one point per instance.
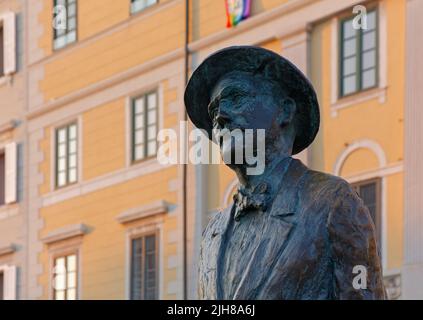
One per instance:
(275, 235)
(215, 236)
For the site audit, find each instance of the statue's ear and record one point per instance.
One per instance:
(287, 114)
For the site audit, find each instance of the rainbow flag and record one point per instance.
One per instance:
(236, 11)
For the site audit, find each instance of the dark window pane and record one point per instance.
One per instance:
(369, 193)
(1, 51)
(144, 268)
(136, 269)
(2, 179)
(1, 286)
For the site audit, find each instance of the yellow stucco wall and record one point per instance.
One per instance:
(104, 247)
(103, 139)
(359, 161)
(104, 130)
(381, 123)
(211, 15)
(142, 38)
(100, 54)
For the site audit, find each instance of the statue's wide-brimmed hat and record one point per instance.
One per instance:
(269, 65)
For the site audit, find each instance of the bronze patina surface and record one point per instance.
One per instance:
(291, 232)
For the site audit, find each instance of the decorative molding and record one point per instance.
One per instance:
(360, 97)
(366, 144)
(8, 249)
(10, 125)
(81, 43)
(381, 172)
(9, 210)
(104, 181)
(144, 211)
(65, 233)
(106, 83)
(287, 19)
(249, 24)
(154, 227)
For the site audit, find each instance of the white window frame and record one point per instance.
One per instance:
(8, 23)
(64, 122)
(338, 103)
(68, 247)
(11, 172)
(65, 255)
(9, 282)
(139, 231)
(70, 36)
(159, 89)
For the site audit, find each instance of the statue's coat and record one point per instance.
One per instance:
(317, 231)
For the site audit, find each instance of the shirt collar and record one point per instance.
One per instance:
(260, 198)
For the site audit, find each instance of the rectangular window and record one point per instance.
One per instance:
(1, 51)
(7, 43)
(144, 268)
(1, 285)
(139, 5)
(370, 192)
(2, 178)
(64, 22)
(358, 55)
(144, 126)
(65, 277)
(66, 155)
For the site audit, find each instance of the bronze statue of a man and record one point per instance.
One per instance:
(291, 232)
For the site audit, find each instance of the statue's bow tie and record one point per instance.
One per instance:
(251, 200)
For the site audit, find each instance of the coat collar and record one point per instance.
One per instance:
(272, 243)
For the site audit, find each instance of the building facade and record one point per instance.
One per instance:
(96, 216)
(13, 227)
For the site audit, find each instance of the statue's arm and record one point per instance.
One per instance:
(202, 266)
(357, 272)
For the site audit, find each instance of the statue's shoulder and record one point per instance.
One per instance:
(326, 186)
(216, 219)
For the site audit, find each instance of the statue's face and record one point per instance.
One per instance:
(242, 101)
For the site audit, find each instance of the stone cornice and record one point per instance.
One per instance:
(65, 233)
(145, 211)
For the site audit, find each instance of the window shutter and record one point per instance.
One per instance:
(11, 173)
(10, 283)
(9, 29)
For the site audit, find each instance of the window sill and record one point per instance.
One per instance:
(8, 211)
(360, 97)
